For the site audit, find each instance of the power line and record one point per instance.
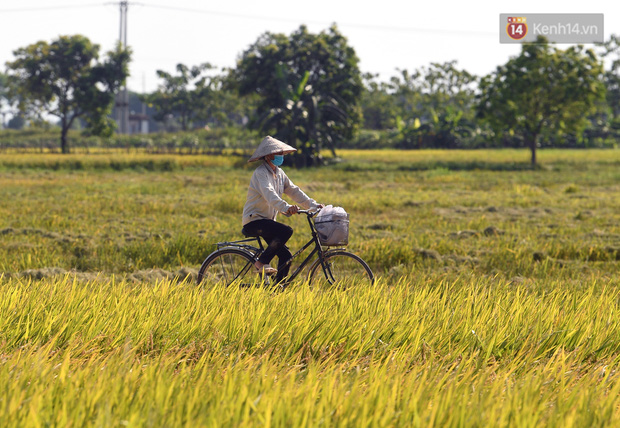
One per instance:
(342, 24)
(269, 18)
(44, 8)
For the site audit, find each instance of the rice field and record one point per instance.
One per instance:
(497, 302)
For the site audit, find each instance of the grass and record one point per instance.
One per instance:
(497, 301)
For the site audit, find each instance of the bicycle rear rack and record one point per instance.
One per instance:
(240, 244)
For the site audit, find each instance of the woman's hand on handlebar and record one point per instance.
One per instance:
(312, 212)
(292, 210)
(297, 210)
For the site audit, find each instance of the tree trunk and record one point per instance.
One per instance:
(64, 146)
(532, 144)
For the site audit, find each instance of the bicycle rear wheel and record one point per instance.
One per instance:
(342, 269)
(225, 266)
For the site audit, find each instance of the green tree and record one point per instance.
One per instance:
(309, 88)
(611, 122)
(436, 106)
(378, 104)
(224, 107)
(604, 127)
(65, 79)
(16, 122)
(4, 98)
(445, 87)
(184, 95)
(612, 76)
(407, 94)
(8, 107)
(543, 92)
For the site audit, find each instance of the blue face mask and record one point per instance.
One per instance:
(278, 160)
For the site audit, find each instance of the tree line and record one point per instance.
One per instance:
(307, 89)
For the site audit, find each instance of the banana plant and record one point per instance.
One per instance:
(305, 119)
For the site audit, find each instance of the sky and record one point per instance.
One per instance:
(387, 34)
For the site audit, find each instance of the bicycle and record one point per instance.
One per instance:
(233, 261)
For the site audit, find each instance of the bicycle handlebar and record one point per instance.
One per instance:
(309, 213)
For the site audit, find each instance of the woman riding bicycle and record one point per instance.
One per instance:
(264, 202)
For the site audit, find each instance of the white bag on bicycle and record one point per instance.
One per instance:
(332, 226)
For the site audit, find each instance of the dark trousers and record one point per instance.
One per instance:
(276, 235)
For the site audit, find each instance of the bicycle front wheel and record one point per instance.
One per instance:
(342, 268)
(225, 266)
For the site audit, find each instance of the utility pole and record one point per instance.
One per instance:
(122, 98)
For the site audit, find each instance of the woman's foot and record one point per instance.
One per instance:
(264, 269)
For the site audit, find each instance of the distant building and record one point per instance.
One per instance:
(138, 123)
(139, 113)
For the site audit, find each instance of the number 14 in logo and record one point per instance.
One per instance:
(516, 28)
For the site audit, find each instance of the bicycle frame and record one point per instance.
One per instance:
(314, 240)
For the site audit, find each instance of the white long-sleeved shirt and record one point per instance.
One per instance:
(264, 199)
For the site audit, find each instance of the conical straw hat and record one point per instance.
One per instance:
(269, 146)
